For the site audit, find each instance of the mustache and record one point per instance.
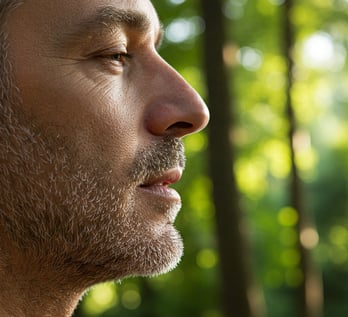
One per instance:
(154, 160)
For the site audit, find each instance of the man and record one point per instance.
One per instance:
(91, 121)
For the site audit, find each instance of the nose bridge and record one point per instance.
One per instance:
(176, 107)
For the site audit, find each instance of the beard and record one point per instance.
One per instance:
(72, 215)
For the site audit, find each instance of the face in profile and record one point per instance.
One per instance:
(90, 138)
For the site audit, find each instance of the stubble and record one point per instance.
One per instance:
(74, 216)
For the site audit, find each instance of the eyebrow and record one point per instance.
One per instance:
(109, 19)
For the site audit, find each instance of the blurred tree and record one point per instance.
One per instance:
(234, 265)
(308, 292)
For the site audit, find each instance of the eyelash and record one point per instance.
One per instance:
(113, 58)
(117, 59)
(119, 56)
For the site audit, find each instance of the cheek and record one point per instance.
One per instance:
(109, 126)
(96, 117)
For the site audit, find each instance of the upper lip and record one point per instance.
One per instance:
(168, 177)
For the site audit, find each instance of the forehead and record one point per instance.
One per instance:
(44, 16)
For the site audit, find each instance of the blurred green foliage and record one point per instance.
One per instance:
(320, 94)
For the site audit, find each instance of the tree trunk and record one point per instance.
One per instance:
(309, 292)
(221, 158)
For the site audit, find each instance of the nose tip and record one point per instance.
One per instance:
(177, 110)
(179, 118)
(188, 118)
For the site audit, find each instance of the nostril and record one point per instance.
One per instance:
(180, 125)
(180, 128)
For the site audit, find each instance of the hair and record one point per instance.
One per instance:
(6, 6)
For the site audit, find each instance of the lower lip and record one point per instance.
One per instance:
(162, 192)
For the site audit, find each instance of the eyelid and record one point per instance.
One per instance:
(112, 50)
(113, 59)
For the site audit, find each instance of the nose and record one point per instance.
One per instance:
(175, 108)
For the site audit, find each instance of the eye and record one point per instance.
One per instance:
(114, 59)
(119, 57)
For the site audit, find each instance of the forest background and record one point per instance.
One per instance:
(265, 206)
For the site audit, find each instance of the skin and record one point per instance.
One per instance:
(90, 139)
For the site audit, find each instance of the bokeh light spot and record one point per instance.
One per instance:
(287, 216)
(288, 236)
(339, 236)
(290, 258)
(100, 298)
(207, 258)
(195, 143)
(250, 58)
(309, 238)
(183, 29)
(131, 299)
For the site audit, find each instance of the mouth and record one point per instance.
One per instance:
(159, 185)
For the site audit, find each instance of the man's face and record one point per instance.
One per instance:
(93, 137)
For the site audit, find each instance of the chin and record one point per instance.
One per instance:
(163, 259)
(153, 245)
(148, 254)
(152, 257)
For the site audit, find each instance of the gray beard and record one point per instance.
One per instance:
(72, 216)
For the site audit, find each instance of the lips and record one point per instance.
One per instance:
(158, 185)
(169, 177)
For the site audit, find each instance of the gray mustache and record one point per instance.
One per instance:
(154, 160)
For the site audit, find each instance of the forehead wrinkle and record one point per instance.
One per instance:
(132, 19)
(107, 19)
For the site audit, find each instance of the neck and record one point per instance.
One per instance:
(27, 289)
(34, 302)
